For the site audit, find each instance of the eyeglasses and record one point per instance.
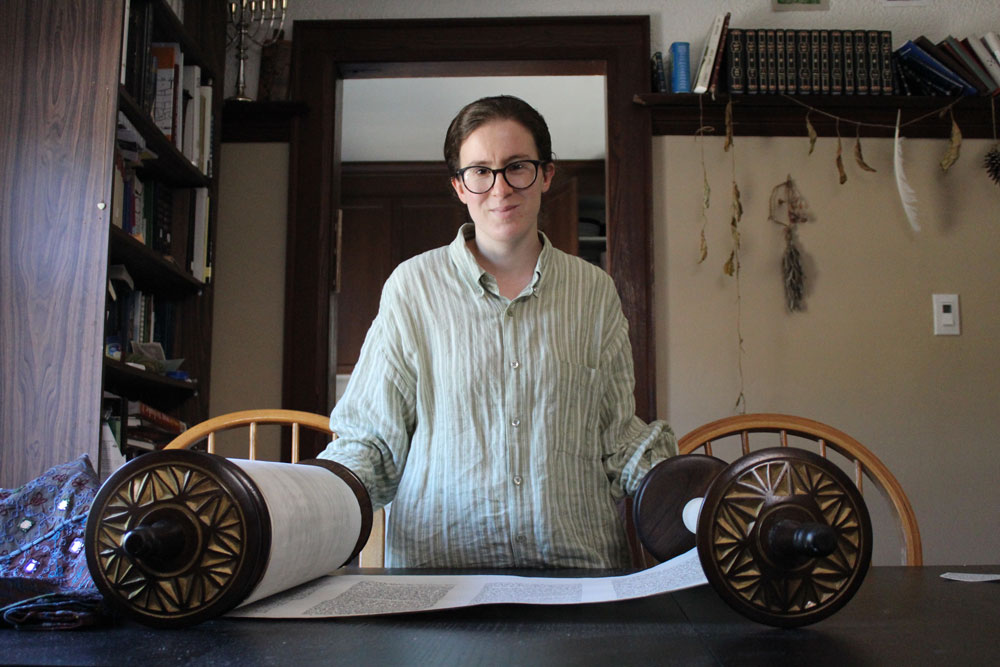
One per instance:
(519, 175)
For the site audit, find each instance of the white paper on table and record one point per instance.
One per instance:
(340, 595)
(970, 576)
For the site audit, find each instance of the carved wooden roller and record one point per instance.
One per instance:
(176, 537)
(783, 535)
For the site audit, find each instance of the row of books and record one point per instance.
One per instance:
(145, 207)
(805, 62)
(133, 315)
(130, 427)
(969, 66)
(841, 62)
(174, 94)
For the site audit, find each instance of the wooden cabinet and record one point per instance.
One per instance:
(56, 160)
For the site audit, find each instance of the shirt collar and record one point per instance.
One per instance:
(474, 275)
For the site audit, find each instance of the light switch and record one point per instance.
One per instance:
(947, 321)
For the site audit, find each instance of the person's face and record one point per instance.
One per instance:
(502, 215)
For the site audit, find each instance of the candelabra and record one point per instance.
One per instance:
(258, 22)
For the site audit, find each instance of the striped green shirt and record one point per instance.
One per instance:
(502, 431)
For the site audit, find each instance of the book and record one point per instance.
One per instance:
(847, 45)
(836, 62)
(791, 60)
(930, 69)
(191, 113)
(752, 64)
(885, 61)
(815, 62)
(937, 59)
(659, 73)
(142, 413)
(874, 62)
(824, 62)
(992, 42)
(771, 53)
(735, 68)
(803, 60)
(990, 64)
(169, 65)
(945, 53)
(971, 60)
(720, 56)
(680, 67)
(762, 63)
(781, 60)
(710, 52)
(861, 69)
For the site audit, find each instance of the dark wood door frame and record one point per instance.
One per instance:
(326, 52)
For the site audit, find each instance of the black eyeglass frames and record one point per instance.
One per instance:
(519, 175)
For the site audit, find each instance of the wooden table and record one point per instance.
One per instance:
(900, 616)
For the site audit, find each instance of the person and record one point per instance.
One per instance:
(492, 402)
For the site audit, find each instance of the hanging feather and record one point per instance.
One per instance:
(907, 196)
(953, 146)
(791, 265)
(992, 163)
(859, 158)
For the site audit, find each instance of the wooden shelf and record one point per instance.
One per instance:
(149, 268)
(250, 122)
(169, 165)
(784, 115)
(143, 385)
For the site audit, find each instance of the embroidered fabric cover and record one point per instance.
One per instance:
(42, 554)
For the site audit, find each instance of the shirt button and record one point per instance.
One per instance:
(517, 480)
(510, 312)
(515, 422)
(515, 364)
(521, 539)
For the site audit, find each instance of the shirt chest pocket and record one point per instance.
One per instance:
(572, 411)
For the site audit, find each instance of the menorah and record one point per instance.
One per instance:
(257, 22)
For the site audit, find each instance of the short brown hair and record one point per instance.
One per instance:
(487, 109)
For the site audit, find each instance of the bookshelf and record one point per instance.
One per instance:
(166, 247)
(784, 115)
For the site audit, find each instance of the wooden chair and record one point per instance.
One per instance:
(806, 431)
(373, 553)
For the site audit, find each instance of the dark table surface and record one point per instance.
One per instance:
(900, 616)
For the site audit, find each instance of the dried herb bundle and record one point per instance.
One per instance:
(786, 196)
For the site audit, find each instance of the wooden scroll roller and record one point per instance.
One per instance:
(177, 537)
(783, 535)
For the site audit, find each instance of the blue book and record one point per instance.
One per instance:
(915, 55)
(680, 67)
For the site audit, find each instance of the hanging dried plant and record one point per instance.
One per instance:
(858, 157)
(729, 126)
(732, 265)
(954, 146)
(811, 131)
(840, 163)
(791, 266)
(786, 196)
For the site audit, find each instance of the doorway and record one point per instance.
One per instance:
(327, 52)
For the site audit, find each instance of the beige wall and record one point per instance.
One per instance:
(862, 356)
(249, 276)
